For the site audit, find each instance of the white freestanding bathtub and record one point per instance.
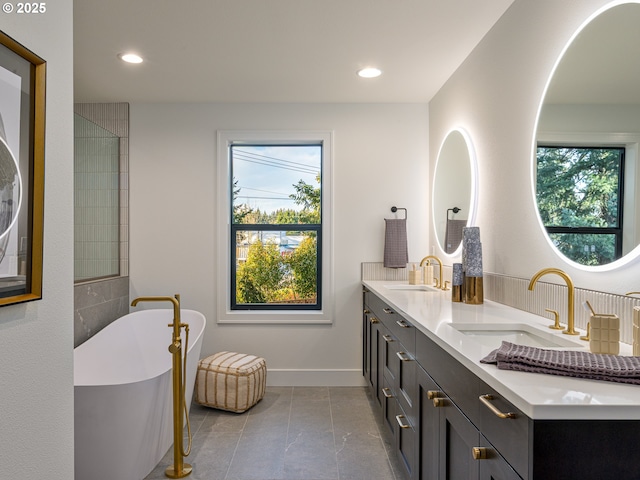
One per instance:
(123, 400)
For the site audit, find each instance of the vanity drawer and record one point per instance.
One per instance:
(389, 405)
(459, 383)
(390, 360)
(399, 368)
(506, 427)
(403, 330)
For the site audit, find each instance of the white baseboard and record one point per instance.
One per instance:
(314, 378)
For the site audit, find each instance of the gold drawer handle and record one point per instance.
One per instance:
(439, 402)
(374, 320)
(365, 311)
(479, 453)
(387, 392)
(486, 399)
(403, 356)
(399, 419)
(403, 324)
(431, 394)
(388, 310)
(387, 338)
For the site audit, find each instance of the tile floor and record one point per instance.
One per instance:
(293, 433)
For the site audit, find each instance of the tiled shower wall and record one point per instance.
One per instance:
(514, 292)
(98, 303)
(96, 201)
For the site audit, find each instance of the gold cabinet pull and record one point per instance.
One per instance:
(388, 310)
(387, 392)
(439, 402)
(479, 453)
(403, 356)
(387, 338)
(431, 394)
(400, 420)
(486, 399)
(365, 311)
(374, 320)
(403, 324)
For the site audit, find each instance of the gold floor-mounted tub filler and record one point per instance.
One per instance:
(179, 469)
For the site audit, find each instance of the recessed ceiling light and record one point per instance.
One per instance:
(130, 57)
(369, 72)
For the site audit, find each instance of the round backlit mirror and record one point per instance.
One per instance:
(586, 178)
(454, 189)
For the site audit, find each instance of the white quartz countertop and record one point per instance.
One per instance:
(539, 396)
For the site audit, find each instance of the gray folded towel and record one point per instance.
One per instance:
(453, 234)
(395, 243)
(594, 366)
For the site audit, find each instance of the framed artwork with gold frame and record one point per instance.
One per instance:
(22, 135)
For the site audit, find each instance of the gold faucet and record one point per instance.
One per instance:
(632, 293)
(439, 284)
(176, 311)
(179, 469)
(570, 300)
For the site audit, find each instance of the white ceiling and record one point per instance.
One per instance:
(273, 50)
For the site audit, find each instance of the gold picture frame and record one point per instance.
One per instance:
(22, 138)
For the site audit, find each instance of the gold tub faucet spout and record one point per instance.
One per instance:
(176, 310)
(440, 283)
(570, 296)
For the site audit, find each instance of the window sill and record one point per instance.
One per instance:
(272, 317)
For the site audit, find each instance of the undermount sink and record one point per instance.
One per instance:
(406, 286)
(493, 334)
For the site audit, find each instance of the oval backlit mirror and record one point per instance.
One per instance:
(454, 190)
(586, 176)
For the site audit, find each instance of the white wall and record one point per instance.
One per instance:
(495, 95)
(36, 338)
(380, 160)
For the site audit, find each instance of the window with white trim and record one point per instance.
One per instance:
(276, 210)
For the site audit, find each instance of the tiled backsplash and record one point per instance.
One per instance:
(513, 291)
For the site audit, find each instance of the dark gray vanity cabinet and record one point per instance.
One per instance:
(451, 447)
(392, 339)
(429, 397)
(433, 438)
(370, 337)
(448, 424)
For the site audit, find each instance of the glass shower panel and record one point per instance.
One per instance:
(96, 201)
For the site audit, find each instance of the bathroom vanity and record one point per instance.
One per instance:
(452, 417)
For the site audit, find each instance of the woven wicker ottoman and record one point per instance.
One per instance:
(231, 381)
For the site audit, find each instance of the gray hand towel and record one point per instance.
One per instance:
(594, 366)
(453, 234)
(395, 243)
